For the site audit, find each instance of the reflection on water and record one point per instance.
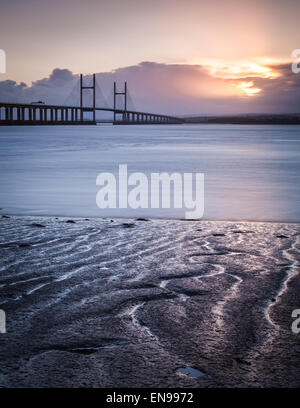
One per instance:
(190, 372)
(251, 172)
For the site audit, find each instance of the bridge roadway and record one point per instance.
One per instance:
(40, 114)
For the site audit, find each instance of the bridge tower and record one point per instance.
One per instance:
(93, 87)
(116, 93)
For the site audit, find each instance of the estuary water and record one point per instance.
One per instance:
(250, 172)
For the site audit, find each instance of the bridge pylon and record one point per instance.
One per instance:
(86, 109)
(124, 93)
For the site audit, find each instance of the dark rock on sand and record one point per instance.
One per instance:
(241, 232)
(241, 361)
(8, 245)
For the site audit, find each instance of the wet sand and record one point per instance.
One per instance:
(157, 303)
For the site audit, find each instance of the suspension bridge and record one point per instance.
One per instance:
(39, 113)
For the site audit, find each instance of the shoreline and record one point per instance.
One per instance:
(77, 217)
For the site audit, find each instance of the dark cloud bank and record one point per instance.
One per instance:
(171, 89)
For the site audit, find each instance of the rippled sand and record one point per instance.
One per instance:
(121, 303)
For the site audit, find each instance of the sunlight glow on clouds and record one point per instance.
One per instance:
(240, 69)
(247, 87)
(236, 70)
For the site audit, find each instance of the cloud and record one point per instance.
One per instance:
(208, 88)
(53, 89)
(58, 78)
(10, 91)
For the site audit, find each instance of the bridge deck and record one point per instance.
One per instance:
(40, 114)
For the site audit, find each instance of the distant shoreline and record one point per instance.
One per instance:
(246, 120)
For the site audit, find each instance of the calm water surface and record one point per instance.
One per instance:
(251, 172)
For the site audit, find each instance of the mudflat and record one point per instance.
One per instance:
(148, 303)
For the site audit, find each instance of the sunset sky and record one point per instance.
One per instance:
(197, 52)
